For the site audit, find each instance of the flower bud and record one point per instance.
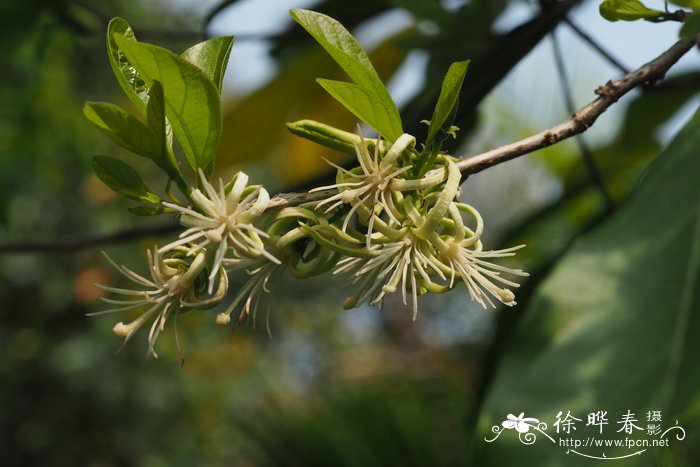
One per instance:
(350, 302)
(121, 329)
(507, 297)
(223, 319)
(325, 135)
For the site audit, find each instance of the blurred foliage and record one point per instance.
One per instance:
(331, 387)
(613, 327)
(418, 423)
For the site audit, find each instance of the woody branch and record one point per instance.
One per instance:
(585, 117)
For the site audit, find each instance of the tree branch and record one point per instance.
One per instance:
(579, 122)
(589, 162)
(593, 43)
(71, 245)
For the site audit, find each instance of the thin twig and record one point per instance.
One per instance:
(71, 245)
(213, 13)
(579, 122)
(593, 43)
(593, 171)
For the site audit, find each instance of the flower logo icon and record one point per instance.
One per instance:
(520, 423)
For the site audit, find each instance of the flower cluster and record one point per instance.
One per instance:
(392, 224)
(192, 272)
(171, 289)
(422, 243)
(383, 226)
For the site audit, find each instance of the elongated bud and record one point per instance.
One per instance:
(404, 142)
(438, 211)
(507, 297)
(325, 135)
(192, 272)
(350, 302)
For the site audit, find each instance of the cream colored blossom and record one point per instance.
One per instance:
(168, 290)
(223, 219)
(415, 265)
(368, 188)
(407, 264)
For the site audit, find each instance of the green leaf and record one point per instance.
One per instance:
(159, 125)
(357, 101)
(155, 115)
(124, 129)
(191, 99)
(691, 26)
(127, 76)
(449, 95)
(123, 179)
(692, 4)
(353, 59)
(616, 326)
(627, 10)
(211, 57)
(254, 128)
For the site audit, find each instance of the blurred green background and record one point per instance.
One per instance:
(360, 387)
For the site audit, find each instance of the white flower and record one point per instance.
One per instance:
(463, 256)
(520, 423)
(169, 290)
(407, 263)
(417, 265)
(482, 277)
(367, 187)
(223, 219)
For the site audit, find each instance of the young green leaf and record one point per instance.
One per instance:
(124, 129)
(211, 57)
(358, 101)
(127, 76)
(191, 98)
(123, 179)
(449, 94)
(627, 10)
(692, 4)
(155, 115)
(159, 125)
(691, 26)
(353, 59)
